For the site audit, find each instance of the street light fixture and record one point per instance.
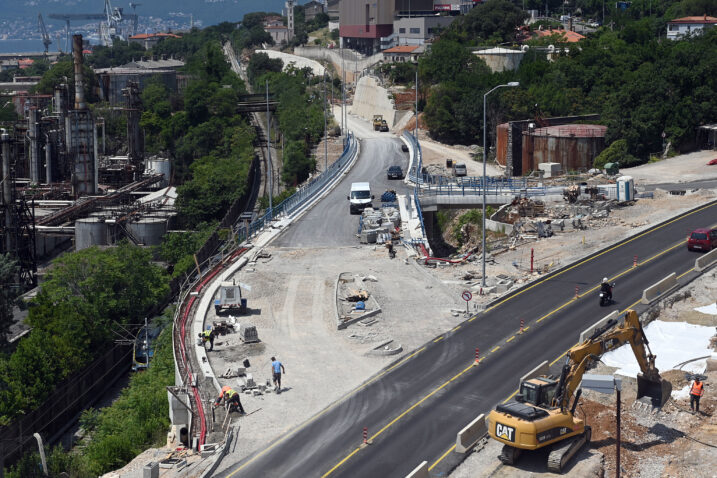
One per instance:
(512, 84)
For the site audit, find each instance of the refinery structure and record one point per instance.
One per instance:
(59, 187)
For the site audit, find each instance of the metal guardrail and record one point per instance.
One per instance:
(419, 212)
(428, 184)
(490, 190)
(305, 192)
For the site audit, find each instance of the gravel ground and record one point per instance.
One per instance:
(292, 305)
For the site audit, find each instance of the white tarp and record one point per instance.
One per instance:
(708, 309)
(672, 343)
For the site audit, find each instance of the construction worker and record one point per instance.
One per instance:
(231, 399)
(208, 336)
(696, 391)
(277, 368)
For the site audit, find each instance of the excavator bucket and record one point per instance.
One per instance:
(653, 392)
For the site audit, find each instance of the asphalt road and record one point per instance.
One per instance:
(414, 408)
(329, 223)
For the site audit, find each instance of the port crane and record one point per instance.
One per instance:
(43, 31)
(110, 19)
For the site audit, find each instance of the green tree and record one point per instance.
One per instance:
(8, 294)
(64, 72)
(297, 165)
(494, 21)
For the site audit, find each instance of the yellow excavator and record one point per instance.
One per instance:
(540, 415)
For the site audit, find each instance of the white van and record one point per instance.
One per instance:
(360, 197)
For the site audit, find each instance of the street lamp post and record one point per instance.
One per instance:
(326, 131)
(415, 130)
(485, 160)
(268, 154)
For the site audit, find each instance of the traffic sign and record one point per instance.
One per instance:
(466, 295)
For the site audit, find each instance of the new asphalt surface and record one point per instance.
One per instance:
(414, 408)
(329, 223)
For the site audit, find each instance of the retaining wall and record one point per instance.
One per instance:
(660, 288)
(372, 99)
(703, 262)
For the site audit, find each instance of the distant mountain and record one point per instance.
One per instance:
(209, 12)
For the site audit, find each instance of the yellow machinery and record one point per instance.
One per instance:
(539, 416)
(377, 119)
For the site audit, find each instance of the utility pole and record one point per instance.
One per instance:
(415, 130)
(268, 154)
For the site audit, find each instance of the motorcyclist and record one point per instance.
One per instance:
(606, 288)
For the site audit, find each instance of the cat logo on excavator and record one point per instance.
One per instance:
(505, 432)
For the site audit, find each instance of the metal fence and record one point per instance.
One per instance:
(304, 193)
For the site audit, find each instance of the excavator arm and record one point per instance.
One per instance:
(580, 357)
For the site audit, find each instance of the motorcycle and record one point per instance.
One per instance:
(606, 299)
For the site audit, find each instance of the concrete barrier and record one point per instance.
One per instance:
(469, 436)
(591, 330)
(542, 369)
(706, 260)
(660, 288)
(421, 471)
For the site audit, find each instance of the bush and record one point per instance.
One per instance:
(616, 153)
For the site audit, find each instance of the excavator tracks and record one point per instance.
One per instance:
(564, 451)
(509, 454)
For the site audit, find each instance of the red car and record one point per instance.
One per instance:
(702, 240)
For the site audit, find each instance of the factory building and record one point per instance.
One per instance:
(370, 26)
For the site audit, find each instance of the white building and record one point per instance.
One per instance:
(680, 27)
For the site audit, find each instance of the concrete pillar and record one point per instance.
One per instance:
(48, 159)
(7, 190)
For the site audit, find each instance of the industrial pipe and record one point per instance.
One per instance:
(79, 80)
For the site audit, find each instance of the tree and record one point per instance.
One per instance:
(64, 72)
(297, 165)
(8, 293)
(494, 21)
(85, 294)
(259, 64)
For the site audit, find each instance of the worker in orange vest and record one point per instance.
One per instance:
(696, 391)
(231, 398)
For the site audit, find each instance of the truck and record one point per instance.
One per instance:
(377, 120)
(230, 298)
(360, 197)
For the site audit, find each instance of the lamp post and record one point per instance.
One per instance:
(415, 130)
(268, 154)
(326, 131)
(485, 160)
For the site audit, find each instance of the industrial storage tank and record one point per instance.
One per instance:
(91, 231)
(162, 166)
(574, 146)
(148, 231)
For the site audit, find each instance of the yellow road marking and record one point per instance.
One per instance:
(525, 329)
(600, 254)
(337, 464)
(441, 458)
(684, 274)
(326, 410)
(473, 318)
(510, 339)
(494, 349)
(438, 339)
(511, 396)
(455, 328)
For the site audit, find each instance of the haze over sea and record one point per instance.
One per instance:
(208, 12)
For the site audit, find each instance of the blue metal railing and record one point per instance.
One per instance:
(304, 193)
